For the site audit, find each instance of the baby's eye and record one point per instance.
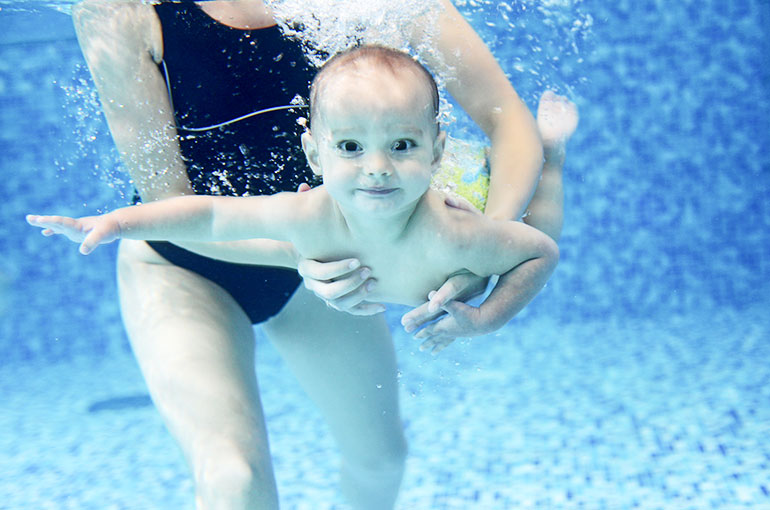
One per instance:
(403, 145)
(349, 146)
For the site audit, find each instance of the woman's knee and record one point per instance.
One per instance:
(226, 471)
(381, 463)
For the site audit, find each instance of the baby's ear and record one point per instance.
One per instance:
(310, 147)
(438, 149)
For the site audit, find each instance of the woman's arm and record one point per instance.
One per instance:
(122, 44)
(480, 86)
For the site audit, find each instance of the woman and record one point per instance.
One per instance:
(189, 319)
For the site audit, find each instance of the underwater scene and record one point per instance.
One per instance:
(638, 378)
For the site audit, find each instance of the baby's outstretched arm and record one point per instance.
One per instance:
(175, 219)
(187, 218)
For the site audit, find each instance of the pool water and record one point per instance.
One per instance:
(638, 378)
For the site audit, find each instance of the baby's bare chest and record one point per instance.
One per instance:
(404, 271)
(405, 277)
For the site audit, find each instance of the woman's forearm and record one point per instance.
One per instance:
(480, 86)
(516, 161)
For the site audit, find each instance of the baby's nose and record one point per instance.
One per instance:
(379, 165)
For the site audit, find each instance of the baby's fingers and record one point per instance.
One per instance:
(89, 244)
(100, 233)
(56, 225)
(435, 337)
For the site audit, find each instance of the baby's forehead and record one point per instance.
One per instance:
(368, 67)
(384, 108)
(370, 86)
(366, 73)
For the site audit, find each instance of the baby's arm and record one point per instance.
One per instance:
(187, 218)
(523, 257)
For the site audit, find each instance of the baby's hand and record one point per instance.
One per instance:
(90, 231)
(461, 321)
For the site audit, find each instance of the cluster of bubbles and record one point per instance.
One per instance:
(326, 28)
(89, 139)
(540, 44)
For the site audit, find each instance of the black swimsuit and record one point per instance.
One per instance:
(215, 74)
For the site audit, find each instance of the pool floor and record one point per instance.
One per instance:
(654, 414)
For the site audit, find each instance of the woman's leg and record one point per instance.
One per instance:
(195, 347)
(347, 365)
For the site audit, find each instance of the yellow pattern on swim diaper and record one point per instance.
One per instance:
(464, 171)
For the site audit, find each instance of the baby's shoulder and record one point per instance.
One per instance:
(314, 207)
(455, 223)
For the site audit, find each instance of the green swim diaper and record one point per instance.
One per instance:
(464, 171)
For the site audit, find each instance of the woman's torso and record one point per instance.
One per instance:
(217, 73)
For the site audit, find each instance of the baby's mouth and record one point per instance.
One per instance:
(377, 191)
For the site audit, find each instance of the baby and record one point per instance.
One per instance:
(375, 139)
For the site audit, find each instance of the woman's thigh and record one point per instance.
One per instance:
(347, 364)
(195, 347)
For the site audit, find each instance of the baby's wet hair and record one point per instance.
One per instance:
(389, 58)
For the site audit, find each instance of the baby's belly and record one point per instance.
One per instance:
(411, 290)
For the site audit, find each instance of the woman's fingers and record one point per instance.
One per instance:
(334, 288)
(460, 203)
(418, 316)
(324, 271)
(354, 302)
(344, 285)
(458, 287)
(431, 309)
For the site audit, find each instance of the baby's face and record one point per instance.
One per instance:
(377, 139)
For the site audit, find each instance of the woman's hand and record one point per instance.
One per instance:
(460, 287)
(461, 321)
(343, 284)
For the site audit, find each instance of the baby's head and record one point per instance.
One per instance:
(374, 66)
(374, 133)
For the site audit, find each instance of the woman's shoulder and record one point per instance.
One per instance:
(106, 9)
(126, 21)
(124, 28)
